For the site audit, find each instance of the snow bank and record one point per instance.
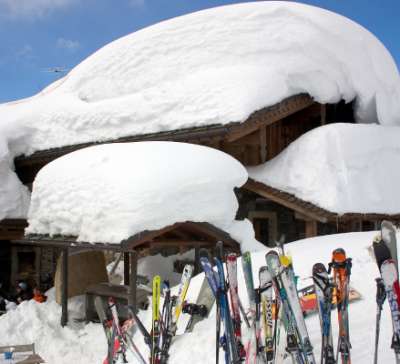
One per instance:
(79, 344)
(213, 66)
(110, 192)
(340, 167)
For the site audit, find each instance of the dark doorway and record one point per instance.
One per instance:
(5, 264)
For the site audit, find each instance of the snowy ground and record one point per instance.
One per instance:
(79, 343)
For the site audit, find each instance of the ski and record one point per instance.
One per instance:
(156, 324)
(167, 328)
(231, 267)
(231, 352)
(182, 290)
(390, 278)
(266, 302)
(146, 335)
(292, 338)
(324, 293)
(341, 269)
(251, 346)
(213, 282)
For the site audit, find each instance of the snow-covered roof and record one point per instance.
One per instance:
(343, 168)
(111, 192)
(211, 67)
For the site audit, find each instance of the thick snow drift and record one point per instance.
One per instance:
(340, 167)
(82, 344)
(213, 66)
(110, 192)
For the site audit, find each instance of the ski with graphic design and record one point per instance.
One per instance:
(167, 329)
(293, 344)
(231, 267)
(289, 283)
(266, 302)
(323, 287)
(156, 323)
(341, 269)
(213, 281)
(251, 345)
(390, 278)
(182, 290)
(232, 348)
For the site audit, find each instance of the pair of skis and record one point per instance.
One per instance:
(118, 337)
(330, 289)
(385, 251)
(164, 324)
(298, 344)
(225, 292)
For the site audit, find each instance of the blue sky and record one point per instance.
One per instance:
(36, 35)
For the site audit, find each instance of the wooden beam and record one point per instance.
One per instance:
(145, 236)
(323, 114)
(126, 269)
(259, 188)
(64, 288)
(311, 228)
(132, 298)
(263, 144)
(268, 116)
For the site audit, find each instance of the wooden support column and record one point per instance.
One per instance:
(64, 288)
(311, 228)
(126, 269)
(263, 144)
(323, 114)
(133, 278)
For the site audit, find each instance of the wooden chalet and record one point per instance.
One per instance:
(261, 137)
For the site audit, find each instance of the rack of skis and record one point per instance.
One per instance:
(272, 328)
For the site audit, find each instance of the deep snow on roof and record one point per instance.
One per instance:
(213, 66)
(110, 192)
(343, 168)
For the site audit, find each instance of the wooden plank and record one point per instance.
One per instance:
(311, 228)
(64, 286)
(269, 115)
(132, 298)
(323, 114)
(263, 144)
(126, 268)
(259, 189)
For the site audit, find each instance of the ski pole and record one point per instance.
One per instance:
(380, 299)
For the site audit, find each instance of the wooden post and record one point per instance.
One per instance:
(126, 269)
(323, 114)
(263, 144)
(133, 278)
(64, 288)
(311, 228)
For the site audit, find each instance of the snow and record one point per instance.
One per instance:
(343, 168)
(81, 344)
(210, 67)
(108, 193)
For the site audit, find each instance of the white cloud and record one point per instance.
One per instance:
(31, 9)
(25, 51)
(71, 45)
(136, 3)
